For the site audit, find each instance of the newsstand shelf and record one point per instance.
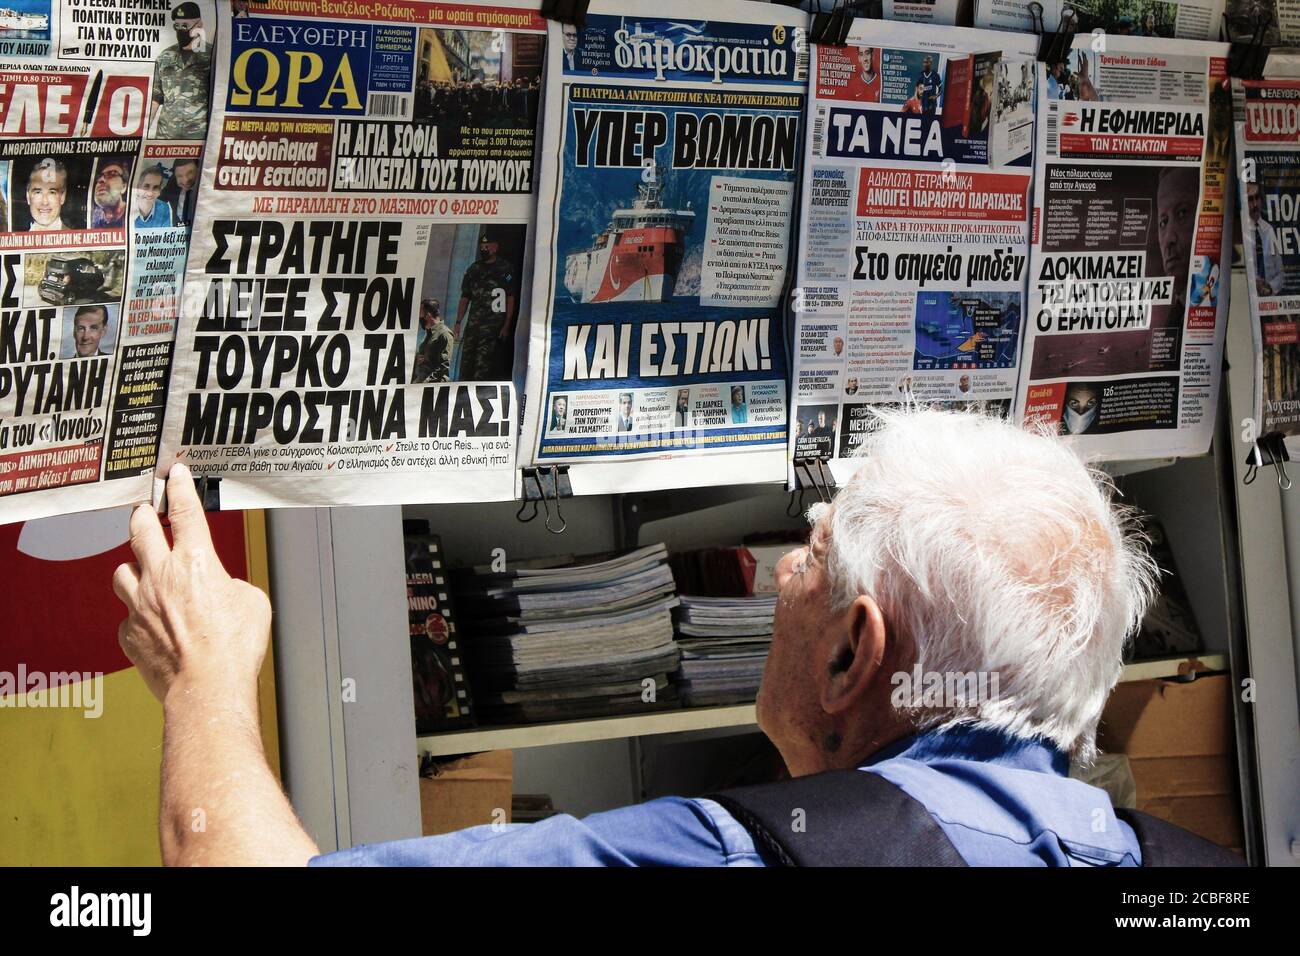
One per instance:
(574, 731)
(698, 718)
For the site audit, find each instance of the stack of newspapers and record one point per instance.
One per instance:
(562, 639)
(724, 643)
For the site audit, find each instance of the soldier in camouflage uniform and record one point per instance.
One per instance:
(181, 78)
(433, 357)
(485, 294)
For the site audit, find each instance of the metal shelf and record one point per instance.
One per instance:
(702, 718)
(575, 731)
(1184, 665)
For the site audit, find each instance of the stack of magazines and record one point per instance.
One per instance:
(561, 640)
(724, 643)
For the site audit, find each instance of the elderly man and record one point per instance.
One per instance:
(1033, 583)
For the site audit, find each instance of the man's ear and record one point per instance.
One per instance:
(856, 655)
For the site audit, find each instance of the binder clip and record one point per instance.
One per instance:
(814, 473)
(1053, 47)
(1268, 450)
(209, 490)
(545, 484)
(831, 29)
(207, 487)
(566, 11)
(1246, 58)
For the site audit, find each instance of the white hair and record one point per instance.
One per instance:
(990, 548)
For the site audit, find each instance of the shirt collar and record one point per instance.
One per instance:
(983, 744)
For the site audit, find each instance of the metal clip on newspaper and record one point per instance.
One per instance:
(1246, 58)
(566, 11)
(831, 29)
(1270, 449)
(1053, 47)
(207, 487)
(814, 473)
(550, 483)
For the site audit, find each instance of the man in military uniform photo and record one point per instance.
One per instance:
(433, 357)
(182, 76)
(485, 317)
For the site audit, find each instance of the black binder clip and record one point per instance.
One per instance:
(566, 11)
(1053, 47)
(1246, 58)
(814, 473)
(1268, 450)
(209, 491)
(546, 484)
(831, 29)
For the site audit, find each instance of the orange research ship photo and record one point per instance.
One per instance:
(636, 257)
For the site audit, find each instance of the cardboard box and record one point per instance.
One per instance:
(468, 792)
(1182, 749)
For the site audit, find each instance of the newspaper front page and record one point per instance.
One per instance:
(666, 207)
(1128, 295)
(915, 245)
(357, 266)
(103, 112)
(1184, 19)
(1267, 116)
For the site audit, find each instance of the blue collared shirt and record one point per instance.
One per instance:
(1001, 801)
(159, 218)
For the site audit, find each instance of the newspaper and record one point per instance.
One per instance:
(1184, 19)
(1267, 114)
(915, 245)
(103, 111)
(1128, 295)
(357, 266)
(667, 199)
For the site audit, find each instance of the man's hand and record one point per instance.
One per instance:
(198, 637)
(188, 620)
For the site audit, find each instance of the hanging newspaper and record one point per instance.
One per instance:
(347, 330)
(1185, 19)
(103, 111)
(1128, 296)
(657, 354)
(1268, 156)
(914, 251)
